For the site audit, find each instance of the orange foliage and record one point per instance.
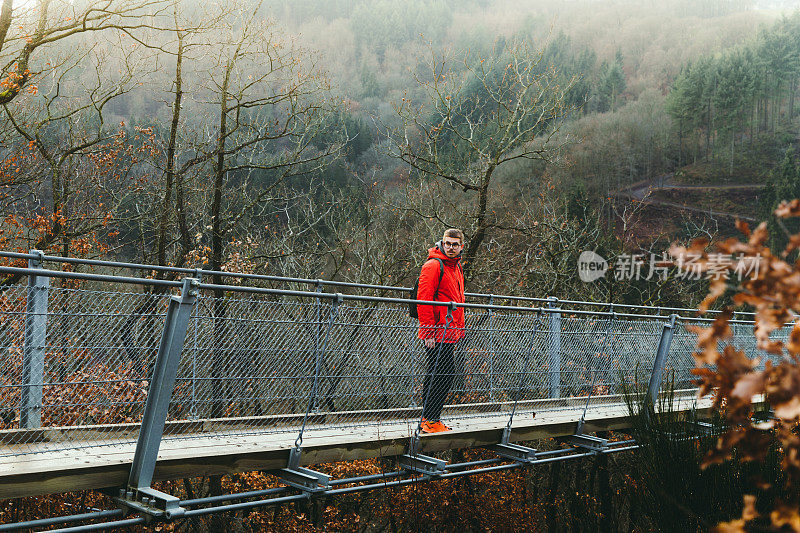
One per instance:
(737, 380)
(86, 214)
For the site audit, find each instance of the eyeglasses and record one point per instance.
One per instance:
(452, 244)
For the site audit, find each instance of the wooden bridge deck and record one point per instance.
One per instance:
(95, 464)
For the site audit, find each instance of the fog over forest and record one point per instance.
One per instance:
(336, 138)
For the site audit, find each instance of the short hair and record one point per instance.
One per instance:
(455, 233)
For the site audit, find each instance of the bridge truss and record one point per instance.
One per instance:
(113, 382)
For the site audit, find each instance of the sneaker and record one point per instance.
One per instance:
(433, 427)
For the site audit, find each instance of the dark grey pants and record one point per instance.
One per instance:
(438, 379)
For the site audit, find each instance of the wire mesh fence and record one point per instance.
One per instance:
(271, 363)
(92, 380)
(684, 343)
(249, 364)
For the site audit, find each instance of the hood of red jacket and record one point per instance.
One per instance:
(437, 253)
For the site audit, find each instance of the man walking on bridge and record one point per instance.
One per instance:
(441, 280)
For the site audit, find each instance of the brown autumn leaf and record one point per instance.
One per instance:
(705, 383)
(696, 250)
(743, 227)
(749, 511)
(793, 244)
(734, 526)
(716, 289)
(788, 209)
(793, 346)
(785, 516)
(734, 246)
(788, 410)
(768, 320)
(759, 236)
(707, 338)
(783, 383)
(749, 385)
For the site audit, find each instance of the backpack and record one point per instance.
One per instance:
(412, 307)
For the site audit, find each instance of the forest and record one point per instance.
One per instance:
(298, 138)
(337, 139)
(267, 136)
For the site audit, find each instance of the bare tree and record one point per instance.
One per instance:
(74, 155)
(263, 116)
(497, 110)
(272, 107)
(27, 29)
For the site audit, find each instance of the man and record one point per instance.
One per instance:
(440, 344)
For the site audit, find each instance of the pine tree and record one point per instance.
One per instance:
(784, 184)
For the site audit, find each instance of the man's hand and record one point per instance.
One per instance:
(429, 343)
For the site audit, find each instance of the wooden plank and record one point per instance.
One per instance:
(129, 431)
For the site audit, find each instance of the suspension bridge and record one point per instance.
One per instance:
(113, 382)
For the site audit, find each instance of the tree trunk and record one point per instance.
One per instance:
(607, 522)
(217, 521)
(776, 106)
(552, 489)
(218, 383)
(577, 509)
(708, 130)
(480, 216)
(65, 238)
(5, 20)
(170, 171)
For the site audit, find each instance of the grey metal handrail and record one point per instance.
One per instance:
(329, 283)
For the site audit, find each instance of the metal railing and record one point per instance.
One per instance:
(81, 363)
(321, 284)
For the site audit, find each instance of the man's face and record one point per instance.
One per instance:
(452, 246)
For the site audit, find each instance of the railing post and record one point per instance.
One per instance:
(554, 347)
(162, 383)
(611, 340)
(193, 414)
(317, 331)
(295, 475)
(661, 358)
(318, 358)
(491, 348)
(30, 413)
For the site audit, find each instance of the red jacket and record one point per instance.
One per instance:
(432, 318)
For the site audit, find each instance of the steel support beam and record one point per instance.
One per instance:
(492, 347)
(139, 495)
(508, 450)
(30, 415)
(588, 442)
(422, 464)
(302, 478)
(661, 358)
(515, 452)
(554, 347)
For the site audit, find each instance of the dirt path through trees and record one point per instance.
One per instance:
(641, 191)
